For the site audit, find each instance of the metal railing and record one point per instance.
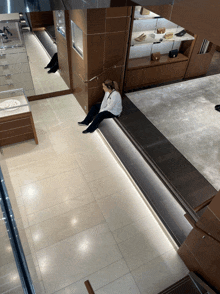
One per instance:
(14, 238)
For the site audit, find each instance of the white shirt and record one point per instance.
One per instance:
(112, 104)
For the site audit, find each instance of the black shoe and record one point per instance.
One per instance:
(46, 67)
(217, 107)
(85, 132)
(51, 71)
(81, 123)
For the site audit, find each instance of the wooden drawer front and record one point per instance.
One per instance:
(15, 69)
(154, 75)
(16, 139)
(17, 123)
(13, 58)
(16, 132)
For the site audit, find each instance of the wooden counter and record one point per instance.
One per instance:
(143, 71)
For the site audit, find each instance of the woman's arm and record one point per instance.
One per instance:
(104, 102)
(112, 102)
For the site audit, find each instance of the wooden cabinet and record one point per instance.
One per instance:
(142, 72)
(16, 121)
(18, 128)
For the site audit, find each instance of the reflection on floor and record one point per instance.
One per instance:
(81, 214)
(184, 113)
(38, 59)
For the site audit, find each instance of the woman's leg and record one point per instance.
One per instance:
(54, 68)
(99, 118)
(53, 61)
(92, 113)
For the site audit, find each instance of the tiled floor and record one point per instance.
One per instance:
(80, 215)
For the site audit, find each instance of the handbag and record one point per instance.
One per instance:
(161, 30)
(180, 34)
(155, 56)
(144, 11)
(168, 36)
(173, 53)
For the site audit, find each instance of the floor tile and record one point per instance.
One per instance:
(120, 209)
(108, 185)
(51, 191)
(99, 279)
(9, 277)
(92, 161)
(60, 208)
(142, 225)
(144, 247)
(65, 225)
(34, 171)
(123, 285)
(159, 273)
(98, 174)
(78, 257)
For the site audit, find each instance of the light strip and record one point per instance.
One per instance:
(9, 6)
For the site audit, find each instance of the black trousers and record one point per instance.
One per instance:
(54, 61)
(95, 117)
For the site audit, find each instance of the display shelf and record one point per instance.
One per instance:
(143, 62)
(10, 36)
(10, 17)
(150, 39)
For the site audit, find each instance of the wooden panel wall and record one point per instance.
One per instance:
(162, 10)
(62, 50)
(40, 19)
(198, 16)
(107, 47)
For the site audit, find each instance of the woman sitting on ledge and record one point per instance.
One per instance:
(111, 106)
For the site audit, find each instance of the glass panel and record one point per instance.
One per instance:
(77, 38)
(9, 276)
(60, 22)
(18, 272)
(10, 34)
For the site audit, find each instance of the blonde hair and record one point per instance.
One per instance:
(112, 85)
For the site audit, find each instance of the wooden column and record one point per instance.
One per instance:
(105, 39)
